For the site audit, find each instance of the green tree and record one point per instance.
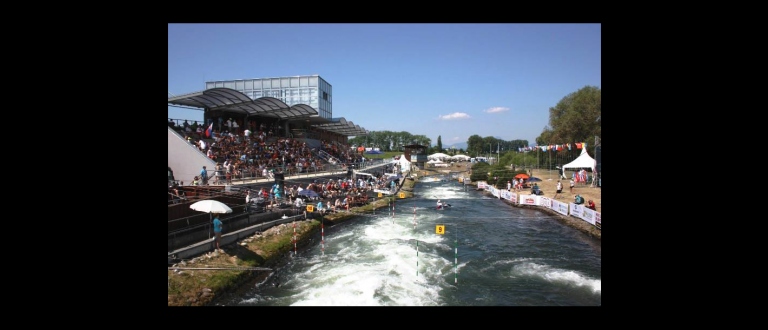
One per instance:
(439, 144)
(475, 145)
(576, 118)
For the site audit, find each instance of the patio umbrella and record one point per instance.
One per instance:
(308, 193)
(521, 176)
(210, 206)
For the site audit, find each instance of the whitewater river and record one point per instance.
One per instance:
(491, 254)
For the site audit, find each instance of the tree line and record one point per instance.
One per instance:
(575, 118)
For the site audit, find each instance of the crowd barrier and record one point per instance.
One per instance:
(568, 209)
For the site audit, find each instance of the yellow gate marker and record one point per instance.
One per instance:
(440, 229)
(379, 195)
(310, 208)
(402, 195)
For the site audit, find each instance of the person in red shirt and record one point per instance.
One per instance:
(591, 205)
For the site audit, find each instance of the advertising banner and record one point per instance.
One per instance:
(528, 199)
(588, 215)
(576, 210)
(597, 221)
(545, 202)
(560, 207)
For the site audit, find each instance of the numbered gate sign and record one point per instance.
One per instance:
(440, 229)
(310, 208)
(402, 195)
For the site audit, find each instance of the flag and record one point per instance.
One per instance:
(209, 130)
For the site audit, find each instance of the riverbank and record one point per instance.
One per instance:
(548, 184)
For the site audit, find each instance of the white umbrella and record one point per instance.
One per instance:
(210, 206)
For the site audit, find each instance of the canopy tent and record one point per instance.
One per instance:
(583, 161)
(405, 165)
(438, 155)
(460, 157)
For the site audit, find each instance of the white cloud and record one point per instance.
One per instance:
(455, 115)
(496, 109)
(455, 139)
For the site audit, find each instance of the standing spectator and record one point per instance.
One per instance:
(229, 124)
(559, 188)
(219, 173)
(247, 134)
(509, 185)
(572, 184)
(221, 120)
(247, 200)
(299, 203)
(229, 169)
(217, 226)
(235, 127)
(204, 176)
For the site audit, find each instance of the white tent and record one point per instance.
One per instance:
(439, 156)
(583, 161)
(461, 157)
(405, 165)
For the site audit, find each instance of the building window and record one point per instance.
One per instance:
(325, 96)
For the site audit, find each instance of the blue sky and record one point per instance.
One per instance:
(447, 80)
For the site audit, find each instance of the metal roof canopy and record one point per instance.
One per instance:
(227, 99)
(342, 126)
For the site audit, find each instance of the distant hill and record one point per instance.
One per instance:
(462, 145)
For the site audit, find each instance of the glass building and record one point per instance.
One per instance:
(310, 90)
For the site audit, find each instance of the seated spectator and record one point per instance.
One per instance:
(536, 190)
(578, 200)
(320, 207)
(591, 205)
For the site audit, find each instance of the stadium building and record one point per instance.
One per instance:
(296, 106)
